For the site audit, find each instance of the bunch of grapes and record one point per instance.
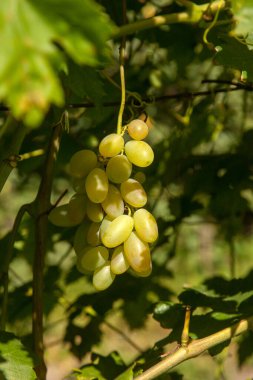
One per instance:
(114, 229)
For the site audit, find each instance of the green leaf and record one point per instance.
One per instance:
(36, 35)
(127, 375)
(15, 361)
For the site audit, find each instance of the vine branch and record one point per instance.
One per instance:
(196, 348)
(42, 205)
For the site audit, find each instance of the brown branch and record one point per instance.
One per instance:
(196, 348)
(42, 205)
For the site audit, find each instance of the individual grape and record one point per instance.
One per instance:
(133, 193)
(140, 274)
(119, 263)
(103, 277)
(77, 208)
(93, 234)
(113, 204)
(80, 238)
(137, 129)
(145, 225)
(96, 185)
(111, 145)
(137, 253)
(116, 231)
(94, 211)
(78, 185)
(119, 169)
(139, 153)
(140, 177)
(93, 257)
(79, 266)
(59, 216)
(147, 119)
(82, 162)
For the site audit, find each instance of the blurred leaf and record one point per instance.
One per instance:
(15, 360)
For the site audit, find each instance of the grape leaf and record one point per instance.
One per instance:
(36, 34)
(15, 361)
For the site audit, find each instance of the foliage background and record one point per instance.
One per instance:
(200, 186)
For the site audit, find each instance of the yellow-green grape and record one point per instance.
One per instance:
(116, 231)
(77, 208)
(78, 185)
(93, 257)
(140, 177)
(79, 266)
(119, 169)
(137, 129)
(137, 253)
(59, 216)
(111, 145)
(147, 120)
(103, 277)
(133, 193)
(140, 274)
(145, 225)
(119, 263)
(139, 153)
(80, 238)
(96, 185)
(93, 234)
(82, 162)
(94, 211)
(113, 204)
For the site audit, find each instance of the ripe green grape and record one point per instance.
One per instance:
(116, 231)
(137, 129)
(119, 263)
(93, 257)
(77, 208)
(80, 238)
(113, 204)
(140, 177)
(96, 185)
(82, 162)
(139, 153)
(137, 253)
(103, 277)
(111, 145)
(59, 216)
(133, 193)
(119, 169)
(145, 225)
(93, 234)
(94, 211)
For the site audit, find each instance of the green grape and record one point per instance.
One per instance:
(96, 185)
(145, 225)
(137, 129)
(139, 153)
(59, 216)
(111, 145)
(113, 204)
(78, 185)
(93, 234)
(79, 266)
(82, 162)
(80, 238)
(116, 231)
(94, 211)
(103, 277)
(140, 274)
(93, 257)
(119, 263)
(140, 177)
(133, 193)
(119, 169)
(77, 208)
(137, 253)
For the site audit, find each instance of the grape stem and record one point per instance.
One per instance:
(122, 73)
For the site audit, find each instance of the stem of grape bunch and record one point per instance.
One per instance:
(122, 74)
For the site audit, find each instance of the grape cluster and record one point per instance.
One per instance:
(114, 229)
